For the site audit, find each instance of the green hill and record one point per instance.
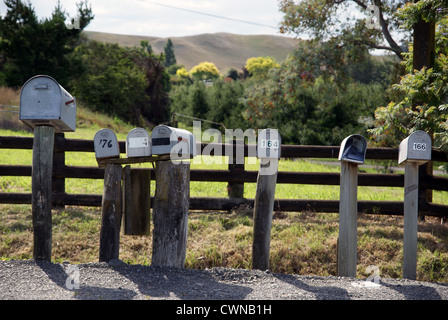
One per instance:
(225, 50)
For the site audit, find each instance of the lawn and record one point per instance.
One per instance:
(301, 242)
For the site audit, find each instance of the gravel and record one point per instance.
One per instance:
(38, 280)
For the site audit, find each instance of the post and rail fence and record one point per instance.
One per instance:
(235, 176)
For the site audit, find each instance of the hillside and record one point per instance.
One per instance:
(223, 49)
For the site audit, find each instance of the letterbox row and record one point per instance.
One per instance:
(165, 140)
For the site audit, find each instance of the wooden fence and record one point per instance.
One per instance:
(236, 175)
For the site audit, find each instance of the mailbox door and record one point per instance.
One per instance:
(106, 144)
(40, 98)
(353, 149)
(138, 143)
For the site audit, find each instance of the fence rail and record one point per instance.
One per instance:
(235, 175)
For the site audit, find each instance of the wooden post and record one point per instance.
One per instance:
(111, 213)
(41, 182)
(170, 214)
(236, 163)
(410, 220)
(263, 210)
(136, 201)
(58, 167)
(348, 217)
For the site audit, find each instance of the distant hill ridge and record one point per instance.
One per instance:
(225, 50)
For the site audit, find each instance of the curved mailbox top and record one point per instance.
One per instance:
(43, 101)
(353, 149)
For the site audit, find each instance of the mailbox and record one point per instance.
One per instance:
(353, 149)
(106, 144)
(138, 143)
(269, 144)
(176, 142)
(44, 102)
(416, 148)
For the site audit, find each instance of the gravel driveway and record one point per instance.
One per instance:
(28, 279)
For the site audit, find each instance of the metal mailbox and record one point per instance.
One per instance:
(178, 143)
(106, 144)
(269, 144)
(353, 149)
(138, 143)
(416, 148)
(43, 101)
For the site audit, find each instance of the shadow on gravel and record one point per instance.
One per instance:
(63, 277)
(177, 283)
(320, 293)
(415, 292)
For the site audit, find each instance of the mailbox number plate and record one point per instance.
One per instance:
(419, 146)
(138, 142)
(265, 143)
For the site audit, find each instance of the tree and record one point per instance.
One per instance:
(260, 66)
(421, 99)
(170, 58)
(29, 47)
(205, 71)
(333, 19)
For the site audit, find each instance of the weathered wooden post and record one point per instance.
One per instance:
(352, 153)
(48, 108)
(268, 151)
(136, 201)
(414, 151)
(106, 147)
(41, 184)
(172, 195)
(136, 185)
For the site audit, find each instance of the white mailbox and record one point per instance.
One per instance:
(43, 101)
(269, 144)
(138, 143)
(353, 149)
(178, 143)
(106, 144)
(416, 148)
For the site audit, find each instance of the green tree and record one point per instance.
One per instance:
(170, 57)
(421, 100)
(29, 47)
(334, 19)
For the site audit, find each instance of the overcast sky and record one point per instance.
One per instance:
(171, 18)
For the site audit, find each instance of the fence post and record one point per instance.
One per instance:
(263, 210)
(170, 214)
(42, 171)
(111, 213)
(136, 201)
(236, 163)
(58, 169)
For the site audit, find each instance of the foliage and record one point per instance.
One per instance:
(170, 57)
(29, 47)
(205, 71)
(422, 102)
(220, 103)
(128, 83)
(334, 20)
(259, 66)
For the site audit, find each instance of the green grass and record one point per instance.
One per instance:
(301, 242)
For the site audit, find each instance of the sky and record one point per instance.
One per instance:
(173, 18)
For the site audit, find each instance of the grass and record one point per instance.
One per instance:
(301, 242)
